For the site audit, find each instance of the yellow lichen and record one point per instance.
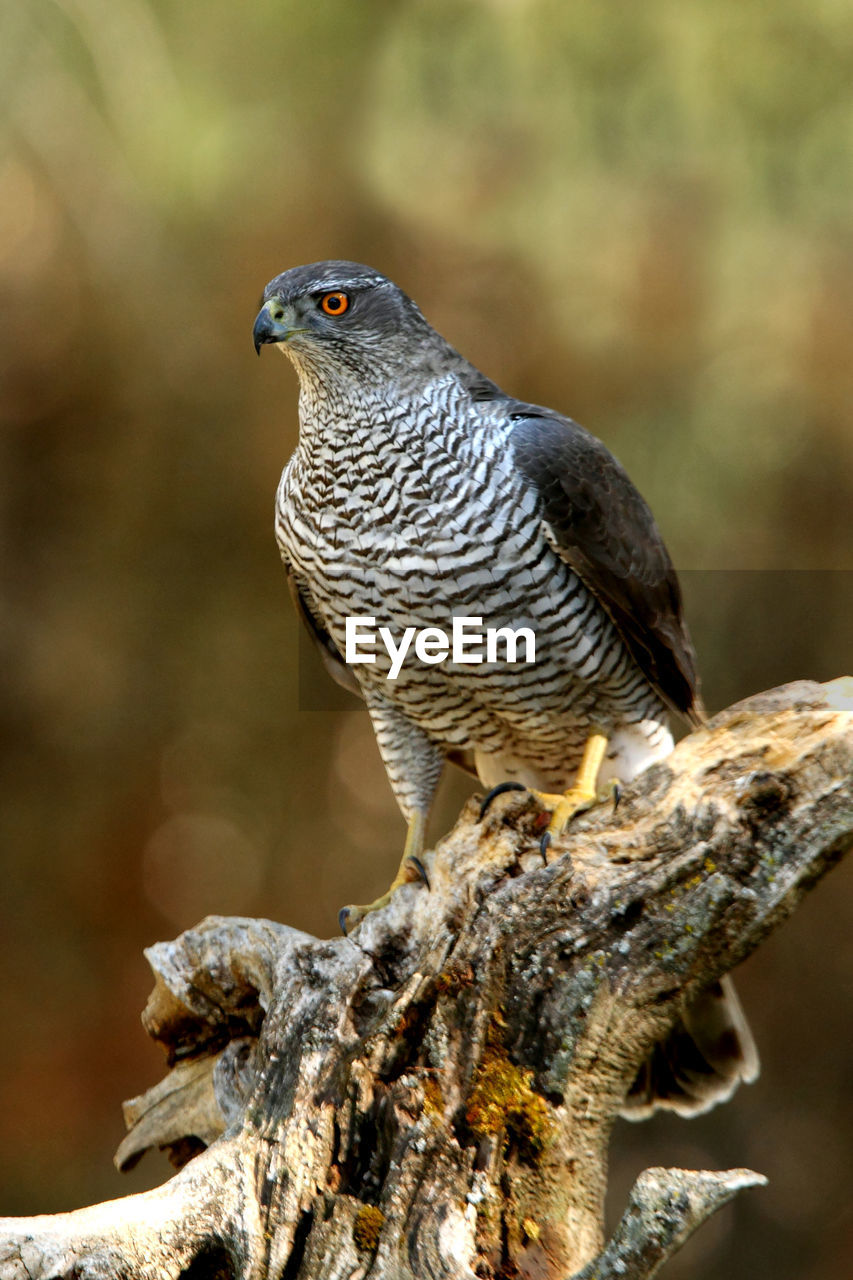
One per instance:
(433, 1097)
(530, 1229)
(366, 1227)
(453, 980)
(409, 1018)
(503, 1103)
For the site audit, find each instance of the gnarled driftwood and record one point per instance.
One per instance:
(433, 1096)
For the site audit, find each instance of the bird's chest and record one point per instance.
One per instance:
(394, 519)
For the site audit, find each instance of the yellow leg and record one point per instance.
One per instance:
(410, 869)
(579, 797)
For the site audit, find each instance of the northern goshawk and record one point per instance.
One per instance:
(419, 492)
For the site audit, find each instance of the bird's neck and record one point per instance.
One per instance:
(338, 411)
(354, 424)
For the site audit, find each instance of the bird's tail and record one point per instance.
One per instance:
(706, 1055)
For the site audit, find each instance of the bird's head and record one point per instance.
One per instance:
(340, 319)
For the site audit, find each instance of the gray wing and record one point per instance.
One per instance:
(328, 650)
(601, 526)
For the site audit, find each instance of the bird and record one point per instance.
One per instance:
(420, 494)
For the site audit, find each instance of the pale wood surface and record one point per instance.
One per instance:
(458, 1063)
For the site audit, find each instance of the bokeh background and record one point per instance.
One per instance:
(640, 214)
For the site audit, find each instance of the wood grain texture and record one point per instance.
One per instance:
(433, 1096)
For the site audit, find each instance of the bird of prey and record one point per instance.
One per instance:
(419, 492)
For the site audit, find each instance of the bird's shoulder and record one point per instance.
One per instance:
(586, 492)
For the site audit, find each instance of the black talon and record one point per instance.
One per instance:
(420, 868)
(343, 916)
(545, 845)
(499, 790)
(617, 795)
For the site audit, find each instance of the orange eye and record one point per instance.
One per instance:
(334, 304)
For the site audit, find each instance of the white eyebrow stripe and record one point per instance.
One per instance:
(342, 285)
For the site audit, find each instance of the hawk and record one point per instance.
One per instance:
(419, 492)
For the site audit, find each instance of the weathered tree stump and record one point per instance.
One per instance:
(433, 1096)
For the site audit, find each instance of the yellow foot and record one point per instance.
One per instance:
(410, 870)
(579, 797)
(563, 808)
(350, 917)
(583, 795)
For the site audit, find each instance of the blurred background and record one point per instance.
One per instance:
(640, 214)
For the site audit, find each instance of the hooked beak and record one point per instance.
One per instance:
(274, 324)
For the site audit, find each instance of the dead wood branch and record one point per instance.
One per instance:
(433, 1097)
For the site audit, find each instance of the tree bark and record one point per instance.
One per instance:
(433, 1096)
